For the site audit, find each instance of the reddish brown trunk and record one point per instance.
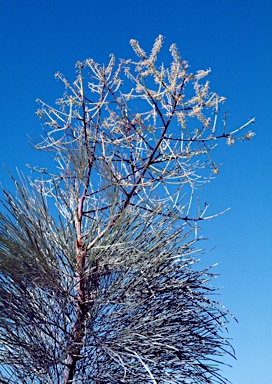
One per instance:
(79, 327)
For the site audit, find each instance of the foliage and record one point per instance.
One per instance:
(100, 281)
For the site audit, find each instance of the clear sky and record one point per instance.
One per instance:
(234, 38)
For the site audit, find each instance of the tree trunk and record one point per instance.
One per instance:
(79, 327)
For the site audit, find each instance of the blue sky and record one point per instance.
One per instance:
(234, 38)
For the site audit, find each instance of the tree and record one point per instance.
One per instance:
(99, 271)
